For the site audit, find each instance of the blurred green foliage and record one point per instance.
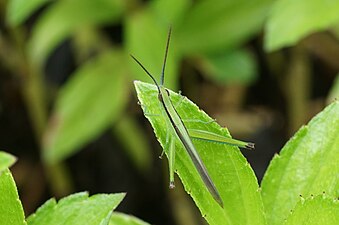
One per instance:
(235, 67)
(334, 92)
(290, 21)
(211, 27)
(85, 105)
(213, 37)
(212, 32)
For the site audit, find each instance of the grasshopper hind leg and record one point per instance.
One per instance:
(171, 163)
(171, 159)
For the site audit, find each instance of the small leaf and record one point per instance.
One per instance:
(290, 21)
(64, 17)
(124, 219)
(237, 66)
(77, 209)
(89, 102)
(227, 167)
(213, 25)
(19, 10)
(315, 211)
(146, 40)
(6, 160)
(308, 164)
(11, 211)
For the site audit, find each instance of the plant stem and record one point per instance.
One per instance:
(33, 92)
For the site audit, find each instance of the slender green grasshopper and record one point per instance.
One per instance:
(184, 135)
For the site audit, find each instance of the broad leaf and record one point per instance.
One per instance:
(64, 17)
(315, 211)
(6, 160)
(77, 209)
(11, 211)
(146, 40)
(308, 164)
(227, 167)
(89, 102)
(19, 10)
(124, 219)
(213, 25)
(237, 66)
(290, 20)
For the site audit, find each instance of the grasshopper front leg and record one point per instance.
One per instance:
(144, 109)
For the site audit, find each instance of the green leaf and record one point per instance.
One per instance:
(19, 10)
(89, 102)
(237, 66)
(146, 40)
(6, 160)
(290, 21)
(227, 167)
(314, 211)
(124, 219)
(213, 25)
(62, 18)
(11, 211)
(77, 209)
(308, 164)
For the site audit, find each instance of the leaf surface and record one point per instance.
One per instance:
(307, 164)
(77, 209)
(227, 167)
(314, 211)
(11, 211)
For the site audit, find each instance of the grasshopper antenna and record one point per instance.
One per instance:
(148, 73)
(166, 51)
